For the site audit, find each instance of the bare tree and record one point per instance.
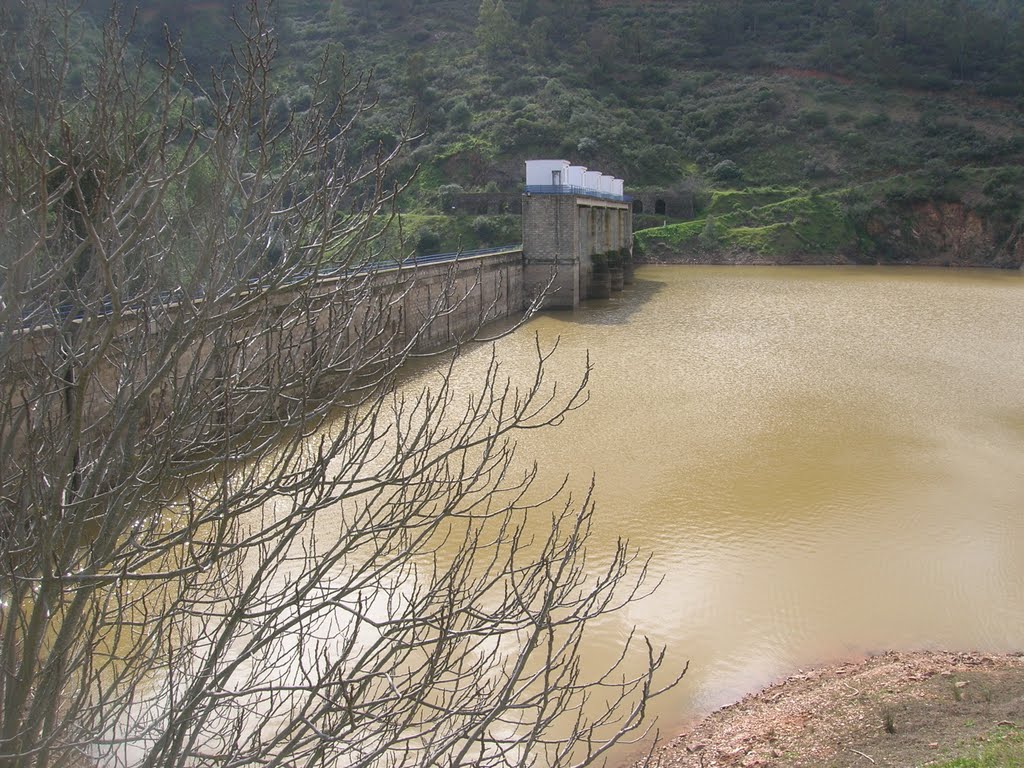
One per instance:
(229, 537)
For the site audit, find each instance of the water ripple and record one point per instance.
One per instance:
(824, 462)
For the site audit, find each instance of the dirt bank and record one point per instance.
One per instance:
(896, 709)
(657, 253)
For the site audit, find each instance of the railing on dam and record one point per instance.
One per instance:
(436, 258)
(331, 272)
(45, 315)
(566, 189)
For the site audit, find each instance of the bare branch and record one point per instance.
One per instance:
(233, 531)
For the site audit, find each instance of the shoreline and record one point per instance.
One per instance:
(891, 709)
(754, 259)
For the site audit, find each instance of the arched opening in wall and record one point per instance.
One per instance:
(638, 206)
(659, 207)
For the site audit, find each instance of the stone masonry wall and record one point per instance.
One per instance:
(561, 235)
(350, 322)
(551, 244)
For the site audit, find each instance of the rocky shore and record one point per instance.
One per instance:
(894, 709)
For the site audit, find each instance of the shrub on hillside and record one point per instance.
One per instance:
(447, 195)
(587, 147)
(460, 115)
(303, 99)
(814, 118)
(726, 170)
(485, 228)
(815, 169)
(427, 241)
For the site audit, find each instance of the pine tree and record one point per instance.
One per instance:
(495, 28)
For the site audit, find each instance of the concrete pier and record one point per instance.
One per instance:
(562, 235)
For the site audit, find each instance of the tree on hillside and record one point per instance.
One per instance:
(496, 29)
(538, 39)
(567, 20)
(339, 17)
(227, 535)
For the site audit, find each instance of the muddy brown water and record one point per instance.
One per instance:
(823, 462)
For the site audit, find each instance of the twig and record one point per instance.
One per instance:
(858, 752)
(856, 691)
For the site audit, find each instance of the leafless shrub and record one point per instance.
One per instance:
(228, 538)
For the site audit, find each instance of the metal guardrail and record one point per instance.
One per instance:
(434, 258)
(43, 315)
(567, 189)
(332, 272)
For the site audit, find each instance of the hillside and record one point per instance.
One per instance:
(938, 216)
(853, 99)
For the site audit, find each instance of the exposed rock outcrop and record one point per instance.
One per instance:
(945, 234)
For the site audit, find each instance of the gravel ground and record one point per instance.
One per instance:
(895, 709)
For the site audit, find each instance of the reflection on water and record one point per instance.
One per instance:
(824, 462)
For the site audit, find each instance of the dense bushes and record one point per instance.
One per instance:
(791, 92)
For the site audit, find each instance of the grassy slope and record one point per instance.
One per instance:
(858, 222)
(1003, 748)
(798, 224)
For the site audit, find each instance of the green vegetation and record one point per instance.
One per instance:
(752, 104)
(417, 233)
(738, 92)
(728, 201)
(888, 719)
(868, 222)
(1003, 748)
(797, 224)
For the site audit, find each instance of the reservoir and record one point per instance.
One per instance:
(822, 463)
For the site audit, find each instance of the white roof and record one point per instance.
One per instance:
(539, 172)
(544, 173)
(592, 180)
(576, 175)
